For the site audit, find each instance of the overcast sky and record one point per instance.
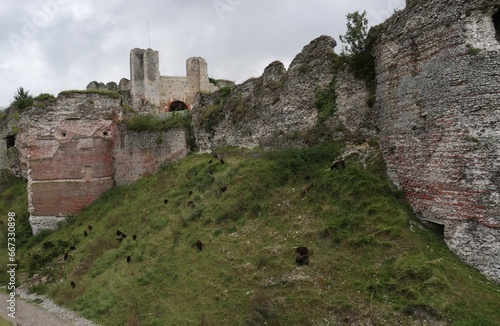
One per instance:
(48, 46)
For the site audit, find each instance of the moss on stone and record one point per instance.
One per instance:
(114, 95)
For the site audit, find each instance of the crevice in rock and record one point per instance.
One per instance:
(496, 23)
(10, 141)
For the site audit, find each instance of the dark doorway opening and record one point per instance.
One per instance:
(10, 141)
(496, 23)
(436, 228)
(177, 106)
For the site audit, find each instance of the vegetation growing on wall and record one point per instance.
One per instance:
(43, 100)
(211, 116)
(357, 54)
(22, 99)
(326, 100)
(151, 122)
(111, 94)
(224, 93)
(213, 81)
(45, 97)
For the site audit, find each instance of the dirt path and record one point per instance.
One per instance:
(45, 313)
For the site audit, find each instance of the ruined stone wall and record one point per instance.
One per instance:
(176, 89)
(9, 153)
(270, 111)
(438, 65)
(68, 147)
(74, 148)
(138, 154)
(185, 89)
(276, 109)
(353, 112)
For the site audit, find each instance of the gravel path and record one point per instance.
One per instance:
(46, 313)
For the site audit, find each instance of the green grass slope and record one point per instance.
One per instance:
(371, 263)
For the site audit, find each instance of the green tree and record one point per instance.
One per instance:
(357, 30)
(22, 99)
(357, 51)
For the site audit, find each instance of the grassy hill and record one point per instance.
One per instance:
(371, 262)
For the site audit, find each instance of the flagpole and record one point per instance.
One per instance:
(149, 37)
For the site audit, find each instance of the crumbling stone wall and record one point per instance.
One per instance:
(68, 146)
(353, 112)
(9, 153)
(278, 108)
(138, 154)
(437, 112)
(74, 148)
(268, 111)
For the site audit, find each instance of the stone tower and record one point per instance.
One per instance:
(197, 74)
(145, 77)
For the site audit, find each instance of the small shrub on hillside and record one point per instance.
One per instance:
(417, 279)
(298, 163)
(40, 257)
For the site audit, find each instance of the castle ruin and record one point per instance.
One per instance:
(147, 87)
(435, 118)
(166, 92)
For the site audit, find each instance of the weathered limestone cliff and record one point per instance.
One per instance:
(438, 73)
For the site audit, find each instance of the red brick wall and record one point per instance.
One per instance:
(64, 198)
(69, 160)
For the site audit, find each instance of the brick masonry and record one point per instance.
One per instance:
(74, 149)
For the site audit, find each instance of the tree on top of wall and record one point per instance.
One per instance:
(22, 99)
(357, 50)
(357, 30)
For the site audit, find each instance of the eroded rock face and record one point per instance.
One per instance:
(438, 112)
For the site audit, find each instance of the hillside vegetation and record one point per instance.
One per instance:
(371, 263)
